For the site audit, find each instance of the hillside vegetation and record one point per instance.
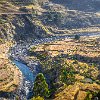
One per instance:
(70, 66)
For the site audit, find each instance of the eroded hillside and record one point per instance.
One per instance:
(10, 75)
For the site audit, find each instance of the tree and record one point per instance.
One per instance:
(40, 86)
(77, 37)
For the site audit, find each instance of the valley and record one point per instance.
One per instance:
(49, 50)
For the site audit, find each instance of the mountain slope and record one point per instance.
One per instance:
(10, 75)
(24, 22)
(82, 5)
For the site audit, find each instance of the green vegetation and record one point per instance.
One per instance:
(68, 75)
(42, 56)
(91, 95)
(2, 21)
(64, 70)
(40, 86)
(37, 98)
(57, 70)
(34, 13)
(77, 37)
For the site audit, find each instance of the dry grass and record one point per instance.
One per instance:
(88, 47)
(92, 29)
(9, 75)
(77, 91)
(6, 7)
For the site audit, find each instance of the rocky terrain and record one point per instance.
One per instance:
(86, 5)
(10, 75)
(25, 30)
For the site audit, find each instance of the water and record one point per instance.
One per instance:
(26, 87)
(27, 73)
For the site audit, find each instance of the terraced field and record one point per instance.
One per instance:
(88, 47)
(85, 52)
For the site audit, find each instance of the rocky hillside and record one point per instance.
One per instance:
(86, 5)
(25, 21)
(44, 19)
(10, 75)
(79, 77)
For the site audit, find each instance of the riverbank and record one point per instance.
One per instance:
(24, 92)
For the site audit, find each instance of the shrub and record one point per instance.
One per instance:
(77, 37)
(92, 95)
(37, 98)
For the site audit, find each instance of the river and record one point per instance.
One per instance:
(25, 90)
